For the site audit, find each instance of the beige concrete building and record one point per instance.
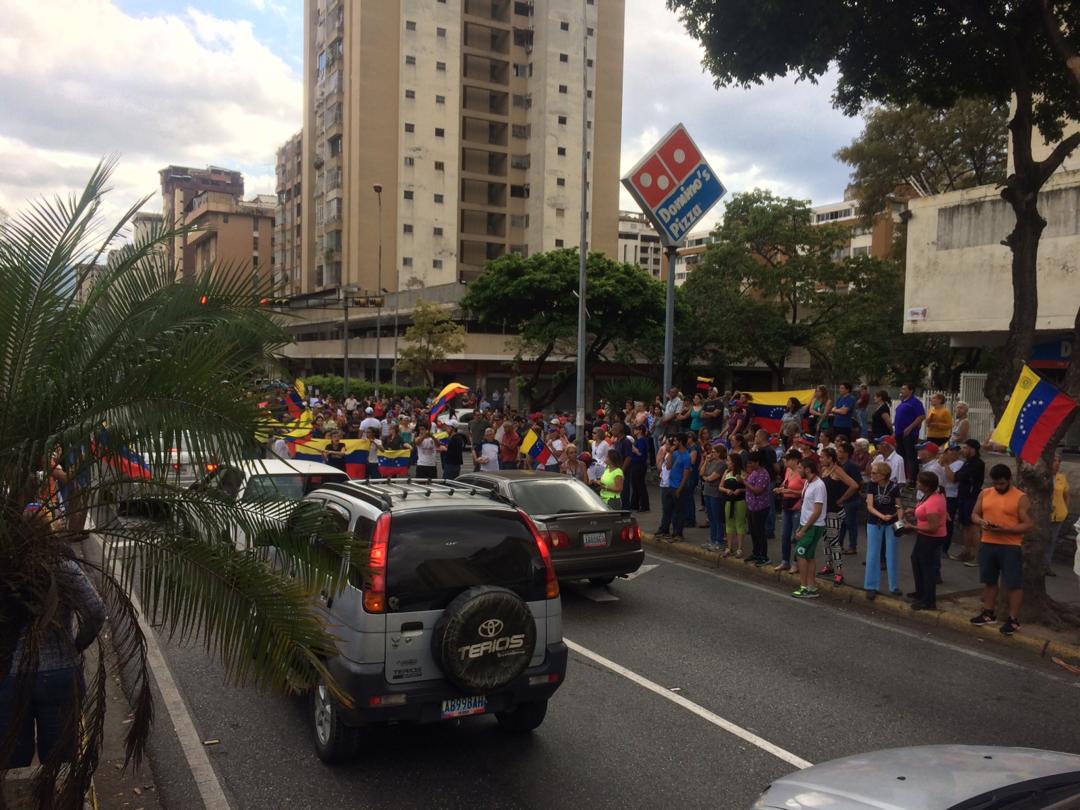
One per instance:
(232, 236)
(288, 228)
(639, 243)
(179, 185)
(468, 114)
(873, 240)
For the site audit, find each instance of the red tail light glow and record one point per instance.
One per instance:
(630, 534)
(552, 582)
(375, 590)
(556, 539)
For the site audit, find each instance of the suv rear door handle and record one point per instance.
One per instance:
(412, 627)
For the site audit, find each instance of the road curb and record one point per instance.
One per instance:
(847, 594)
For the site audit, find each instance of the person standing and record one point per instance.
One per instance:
(712, 412)
(334, 452)
(639, 460)
(939, 421)
(852, 506)
(477, 426)
(426, 454)
(625, 445)
(881, 421)
(888, 454)
(692, 483)
(811, 528)
(791, 422)
(929, 517)
(508, 446)
(486, 455)
(673, 407)
(733, 488)
(680, 484)
(862, 406)
(370, 421)
(612, 481)
(574, 464)
(820, 410)
(969, 483)
(843, 412)
(758, 494)
(839, 488)
(712, 469)
(961, 426)
(907, 421)
(790, 492)
(667, 499)
(882, 511)
(950, 466)
(371, 466)
(453, 452)
(1059, 511)
(1004, 514)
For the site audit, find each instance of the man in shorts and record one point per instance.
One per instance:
(1004, 513)
(811, 528)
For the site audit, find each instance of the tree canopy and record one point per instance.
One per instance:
(931, 150)
(432, 337)
(535, 299)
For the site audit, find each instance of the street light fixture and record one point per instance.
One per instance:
(377, 188)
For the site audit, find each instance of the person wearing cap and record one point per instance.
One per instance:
(950, 466)
(370, 421)
(887, 453)
(969, 480)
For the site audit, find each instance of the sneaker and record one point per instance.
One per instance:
(970, 564)
(762, 561)
(897, 592)
(913, 594)
(1011, 626)
(922, 606)
(659, 534)
(799, 592)
(811, 593)
(986, 617)
(871, 595)
(750, 559)
(825, 571)
(838, 580)
(676, 538)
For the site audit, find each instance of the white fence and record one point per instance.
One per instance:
(980, 415)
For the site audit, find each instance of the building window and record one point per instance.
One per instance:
(437, 231)
(441, 33)
(406, 261)
(409, 127)
(519, 191)
(588, 32)
(409, 161)
(439, 198)
(520, 130)
(410, 60)
(560, 212)
(561, 151)
(440, 132)
(560, 181)
(521, 250)
(565, 26)
(558, 243)
(519, 220)
(589, 62)
(562, 119)
(563, 88)
(440, 99)
(410, 25)
(440, 166)
(564, 57)
(436, 264)
(408, 194)
(406, 228)
(519, 161)
(440, 66)
(588, 94)
(410, 94)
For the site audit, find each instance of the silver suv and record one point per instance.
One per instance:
(452, 609)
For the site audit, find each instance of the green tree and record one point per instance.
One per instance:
(142, 360)
(936, 52)
(432, 337)
(933, 151)
(535, 298)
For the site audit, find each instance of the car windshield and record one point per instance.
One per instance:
(286, 486)
(555, 497)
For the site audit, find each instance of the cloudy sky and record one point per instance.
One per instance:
(197, 82)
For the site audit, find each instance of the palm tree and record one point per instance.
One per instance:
(89, 376)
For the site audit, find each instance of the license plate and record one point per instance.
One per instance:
(463, 707)
(591, 539)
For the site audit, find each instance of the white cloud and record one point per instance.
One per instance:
(80, 79)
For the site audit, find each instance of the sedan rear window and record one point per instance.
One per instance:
(555, 497)
(436, 555)
(287, 486)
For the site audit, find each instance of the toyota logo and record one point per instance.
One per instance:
(490, 628)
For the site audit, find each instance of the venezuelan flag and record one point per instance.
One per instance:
(1035, 410)
(767, 407)
(443, 399)
(295, 401)
(535, 449)
(394, 463)
(356, 453)
(705, 383)
(124, 459)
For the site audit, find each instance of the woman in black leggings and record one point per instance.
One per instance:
(839, 486)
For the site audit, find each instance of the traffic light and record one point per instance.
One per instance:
(273, 302)
(368, 301)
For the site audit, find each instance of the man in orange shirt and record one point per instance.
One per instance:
(1004, 513)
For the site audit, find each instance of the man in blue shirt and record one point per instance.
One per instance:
(843, 411)
(907, 420)
(680, 485)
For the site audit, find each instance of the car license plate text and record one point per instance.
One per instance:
(590, 539)
(464, 706)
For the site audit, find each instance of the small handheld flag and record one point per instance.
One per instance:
(1035, 410)
(535, 449)
(705, 383)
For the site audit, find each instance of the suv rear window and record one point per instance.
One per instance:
(436, 554)
(555, 497)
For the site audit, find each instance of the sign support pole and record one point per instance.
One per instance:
(583, 245)
(669, 318)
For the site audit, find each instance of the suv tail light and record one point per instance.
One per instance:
(556, 539)
(375, 590)
(630, 534)
(551, 581)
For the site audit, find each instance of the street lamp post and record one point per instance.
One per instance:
(583, 247)
(397, 306)
(378, 286)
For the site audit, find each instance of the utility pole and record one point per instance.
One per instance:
(345, 342)
(378, 286)
(669, 318)
(583, 246)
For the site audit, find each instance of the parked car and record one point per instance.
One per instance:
(933, 777)
(451, 610)
(587, 540)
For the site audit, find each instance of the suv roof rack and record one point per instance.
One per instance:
(388, 492)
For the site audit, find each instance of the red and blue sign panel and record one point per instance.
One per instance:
(674, 185)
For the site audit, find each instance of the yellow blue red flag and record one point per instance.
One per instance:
(1035, 410)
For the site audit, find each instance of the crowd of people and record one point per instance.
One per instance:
(823, 471)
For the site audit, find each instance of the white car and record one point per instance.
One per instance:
(256, 481)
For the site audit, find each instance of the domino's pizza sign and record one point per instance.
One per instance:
(674, 186)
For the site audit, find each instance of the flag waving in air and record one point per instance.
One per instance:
(767, 407)
(534, 447)
(443, 399)
(1035, 410)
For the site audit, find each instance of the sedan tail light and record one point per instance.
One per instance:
(552, 582)
(630, 534)
(556, 539)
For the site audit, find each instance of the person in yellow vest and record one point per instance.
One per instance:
(1004, 513)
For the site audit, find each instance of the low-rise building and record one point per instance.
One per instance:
(639, 243)
(231, 235)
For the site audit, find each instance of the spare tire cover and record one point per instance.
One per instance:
(485, 638)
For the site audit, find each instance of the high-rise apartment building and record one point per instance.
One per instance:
(288, 232)
(468, 115)
(179, 186)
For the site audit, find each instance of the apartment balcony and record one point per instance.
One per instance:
(489, 10)
(483, 193)
(476, 253)
(485, 70)
(486, 39)
(483, 133)
(483, 162)
(483, 223)
(485, 102)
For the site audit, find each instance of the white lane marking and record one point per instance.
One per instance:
(202, 771)
(643, 570)
(689, 705)
(878, 624)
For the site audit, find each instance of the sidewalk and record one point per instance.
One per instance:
(958, 596)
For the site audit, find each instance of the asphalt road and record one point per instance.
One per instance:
(815, 681)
